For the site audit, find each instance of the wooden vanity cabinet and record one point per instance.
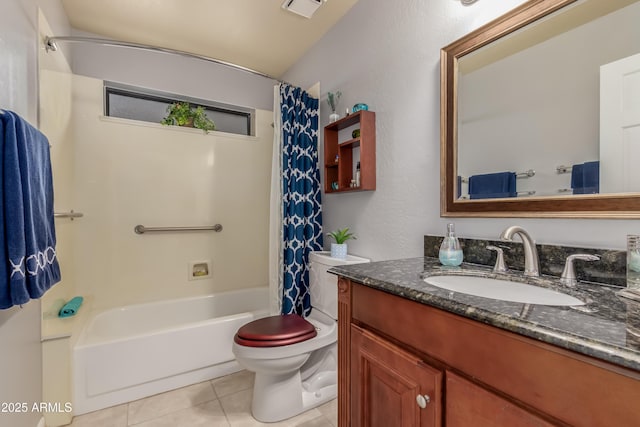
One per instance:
(391, 350)
(471, 405)
(386, 381)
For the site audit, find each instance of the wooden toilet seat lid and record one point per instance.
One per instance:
(275, 331)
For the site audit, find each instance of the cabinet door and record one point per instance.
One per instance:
(390, 387)
(471, 405)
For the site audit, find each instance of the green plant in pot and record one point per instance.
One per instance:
(332, 100)
(185, 114)
(339, 248)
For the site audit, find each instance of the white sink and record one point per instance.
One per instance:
(504, 290)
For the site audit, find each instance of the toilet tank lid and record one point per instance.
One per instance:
(325, 258)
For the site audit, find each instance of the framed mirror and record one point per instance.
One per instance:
(540, 113)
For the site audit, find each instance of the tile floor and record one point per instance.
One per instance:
(223, 402)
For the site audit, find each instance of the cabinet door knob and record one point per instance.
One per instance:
(423, 400)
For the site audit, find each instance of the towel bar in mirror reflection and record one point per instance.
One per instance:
(519, 175)
(527, 193)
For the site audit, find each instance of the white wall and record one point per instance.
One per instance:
(544, 108)
(20, 353)
(129, 173)
(126, 174)
(171, 73)
(55, 80)
(388, 56)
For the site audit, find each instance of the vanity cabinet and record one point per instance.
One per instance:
(471, 405)
(391, 386)
(392, 349)
(342, 152)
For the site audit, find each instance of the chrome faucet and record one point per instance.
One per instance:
(568, 277)
(500, 266)
(531, 263)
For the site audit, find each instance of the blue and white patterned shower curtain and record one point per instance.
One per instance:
(301, 202)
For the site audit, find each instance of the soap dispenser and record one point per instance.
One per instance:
(450, 250)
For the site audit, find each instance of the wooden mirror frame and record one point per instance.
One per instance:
(574, 206)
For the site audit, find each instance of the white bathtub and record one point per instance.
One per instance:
(131, 352)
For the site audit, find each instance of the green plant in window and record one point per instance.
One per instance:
(184, 114)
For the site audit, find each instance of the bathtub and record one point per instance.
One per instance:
(131, 352)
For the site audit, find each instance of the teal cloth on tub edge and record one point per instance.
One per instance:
(71, 308)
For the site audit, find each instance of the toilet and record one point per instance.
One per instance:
(295, 359)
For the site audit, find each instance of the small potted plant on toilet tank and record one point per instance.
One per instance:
(339, 248)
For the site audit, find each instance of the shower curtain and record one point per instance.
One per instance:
(296, 212)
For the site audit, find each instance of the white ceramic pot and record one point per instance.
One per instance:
(333, 117)
(339, 251)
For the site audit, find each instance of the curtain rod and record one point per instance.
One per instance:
(50, 45)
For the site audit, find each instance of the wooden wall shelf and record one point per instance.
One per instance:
(341, 146)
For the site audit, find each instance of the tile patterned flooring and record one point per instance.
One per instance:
(222, 402)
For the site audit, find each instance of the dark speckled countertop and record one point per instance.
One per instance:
(607, 327)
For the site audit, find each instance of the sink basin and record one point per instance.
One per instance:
(504, 290)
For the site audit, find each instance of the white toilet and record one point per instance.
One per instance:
(295, 359)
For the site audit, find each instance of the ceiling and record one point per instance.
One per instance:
(256, 34)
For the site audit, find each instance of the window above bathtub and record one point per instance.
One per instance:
(134, 103)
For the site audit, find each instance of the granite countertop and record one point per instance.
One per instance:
(607, 327)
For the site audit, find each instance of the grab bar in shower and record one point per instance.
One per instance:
(141, 229)
(71, 214)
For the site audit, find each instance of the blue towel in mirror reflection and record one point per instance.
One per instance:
(585, 178)
(492, 185)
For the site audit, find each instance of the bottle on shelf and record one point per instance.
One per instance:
(450, 250)
(358, 175)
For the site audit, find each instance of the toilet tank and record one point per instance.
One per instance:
(324, 286)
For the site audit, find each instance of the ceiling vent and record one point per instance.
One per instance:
(304, 8)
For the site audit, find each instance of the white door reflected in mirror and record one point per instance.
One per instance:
(620, 126)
